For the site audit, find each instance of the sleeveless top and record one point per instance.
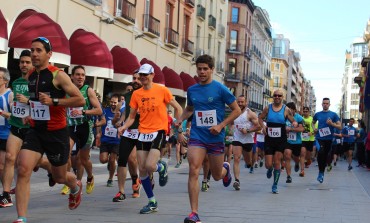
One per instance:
(4, 124)
(82, 118)
(242, 122)
(275, 122)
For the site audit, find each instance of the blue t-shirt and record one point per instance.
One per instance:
(324, 129)
(362, 137)
(351, 131)
(4, 124)
(337, 140)
(109, 131)
(295, 135)
(208, 102)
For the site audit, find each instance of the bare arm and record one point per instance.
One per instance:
(261, 117)
(102, 122)
(8, 114)
(116, 121)
(256, 125)
(96, 110)
(177, 107)
(130, 120)
(290, 117)
(187, 112)
(235, 112)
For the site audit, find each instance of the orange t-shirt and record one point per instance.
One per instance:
(152, 105)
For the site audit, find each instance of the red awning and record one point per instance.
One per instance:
(173, 81)
(196, 78)
(30, 25)
(159, 76)
(187, 80)
(3, 34)
(125, 63)
(89, 50)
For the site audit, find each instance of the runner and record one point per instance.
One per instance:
(349, 134)
(276, 137)
(151, 101)
(48, 133)
(243, 140)
(207, 101)
(228, 142)
(308, 138)
(327, 121)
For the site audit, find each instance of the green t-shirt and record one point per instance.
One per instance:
(84, 118)
(307, 124)
(19, 86)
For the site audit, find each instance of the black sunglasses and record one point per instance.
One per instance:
(277, 95)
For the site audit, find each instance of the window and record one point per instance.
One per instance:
(232, 66)
(209, 43)
(276, 81)
(235, 15)
(233, 39)
(277, 67)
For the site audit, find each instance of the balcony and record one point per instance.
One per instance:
(255, 105)
(267, 93)
(201, 12)
(172, 38)
(268, 31)
(211, 22)
(190, 3)
(151, 26)
(268, 74)
(246, 81)
(125, 12)
(248, 54)
(234, 49)
(254, 77)
(94, 2)
(233, 77)
(187, 47)
(257, 52)
(221, 30)
(220, 66)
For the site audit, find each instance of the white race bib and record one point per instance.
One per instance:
(324, 132)
(292, 136)
(167, 138)
(20, 110)
(305, 136)
(131, 133)
(274, 132)
(39, 111)
(147, 137)
(260, 138)
(229, 138)
(70, 112)
(110, 131)
(338, 141)
(351, 132)
(206, 118)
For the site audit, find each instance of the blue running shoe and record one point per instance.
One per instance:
(228, 178)
(274, 189)
(269, 173)
(163, 175)
(320, 177)
(251, 170)
(149, 208)
(192, 218)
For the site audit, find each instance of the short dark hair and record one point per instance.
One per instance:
(25, 53)
(326, 99)
(77, 67)
(291, 105)
(306, 108)
(207, 59)
(116, 96)
(45, 42)
(352, 119)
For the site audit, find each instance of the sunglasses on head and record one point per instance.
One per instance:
(44, 40)
(277, 95)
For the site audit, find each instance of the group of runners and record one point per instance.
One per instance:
(48, 111)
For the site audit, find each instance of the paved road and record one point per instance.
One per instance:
(341, 198)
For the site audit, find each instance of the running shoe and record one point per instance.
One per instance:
(261, 163)
(75, 199)
(301, 174)
(296, 167)
(204, 186)
(163, 175)
(109, 183)
(12, 191)
(152, 180)
(329, 168)
(269, 173)
(90, 186)
(227, 178)
(274, 189)
(177, 165)
(236, 185)
(136, 189)
(255, 165)
(119, 197)
(288, 179)
(335, 163)
(350, 167)
(149, 208)
(192, 218)
(185, 155)
(51, 180)
(5, 201)
(36, 168)
(19, 220)
(251, 170)
(320, 177)
(208, 184)
(65, 190)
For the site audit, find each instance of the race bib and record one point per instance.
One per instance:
(39, 111)
(110, 131)
(292, 136)
(229, 138)
(260, 137)
(147, 137)
(131, 133)
(324, 132)
(206, 118)
(71, 115)
(305, 135)
(20, 110)
(338, 141)
(167, 138)
(351, 132)
(274, 132)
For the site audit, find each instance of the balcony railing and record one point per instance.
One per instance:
(257, 52)
(246, 81)
(248, 54)
(126, 10)
(190, 3)
(188, 47)
(201, 12)
(151, 26)
(235, 49)
(211, 22)
(95, 2)
(233, 77)
(220, 66)
(254, 77)
(172, 38)
(221, 30)
(268, 74)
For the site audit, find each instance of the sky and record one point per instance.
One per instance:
(321, 31)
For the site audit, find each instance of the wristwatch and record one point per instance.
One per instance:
(83, 112)
(55, 101)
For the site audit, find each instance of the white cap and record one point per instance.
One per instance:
(146, 69)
